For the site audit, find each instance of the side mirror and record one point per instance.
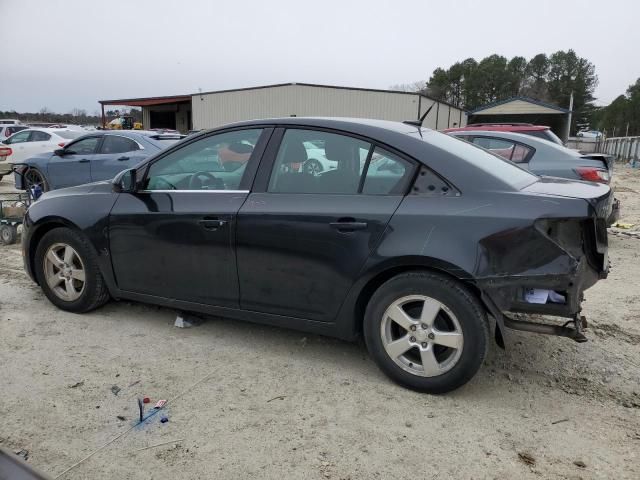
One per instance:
(125, 181)
(60, 152)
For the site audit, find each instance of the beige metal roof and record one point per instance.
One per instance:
(518, 106)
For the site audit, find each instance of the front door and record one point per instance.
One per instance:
(175, 237)
(302, 236)
(74, 166)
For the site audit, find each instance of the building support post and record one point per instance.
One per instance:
(104, 123)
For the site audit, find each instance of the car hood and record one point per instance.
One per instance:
(88, 188)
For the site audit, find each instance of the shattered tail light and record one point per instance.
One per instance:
(591, 174)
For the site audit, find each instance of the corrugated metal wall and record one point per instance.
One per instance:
(215, 109)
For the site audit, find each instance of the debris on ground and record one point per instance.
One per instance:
(176, 442)
(134, 383)
(146, 400)
(78, 384)
(164, 419)
(185, 320)
(22, 453)
(560, 421)
(160, 404)
(527, 458)
(624, 226)
(279, 397)
(115, 390)
(141, 409)
(580, 463)
(121, 418)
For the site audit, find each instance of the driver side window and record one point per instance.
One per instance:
(217, 162)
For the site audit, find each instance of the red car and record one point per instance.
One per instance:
(539, 131)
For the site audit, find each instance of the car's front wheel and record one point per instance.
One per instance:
(67, 270)
(426, 331)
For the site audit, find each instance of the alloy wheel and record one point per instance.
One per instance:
(422, 335)
(64, 272)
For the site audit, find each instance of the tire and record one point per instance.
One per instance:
(8, 234)
(313, 167)
(33, 177)
(454, 317)
(78, 296)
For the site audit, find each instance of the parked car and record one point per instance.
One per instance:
(538, 131)
(589, 134)
(414, 256)
(545, 158)
(33, 141)
(9, 121)
(90, 157)
(9, 129)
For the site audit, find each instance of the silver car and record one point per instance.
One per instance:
(543, 157)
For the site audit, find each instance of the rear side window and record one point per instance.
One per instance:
(387, 174)
(68, 134)
(37, 136)
(117, 144)
(311, 161)
(506, 149)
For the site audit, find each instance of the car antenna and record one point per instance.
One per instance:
(418, 123)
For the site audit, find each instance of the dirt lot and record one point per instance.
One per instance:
(250, 401)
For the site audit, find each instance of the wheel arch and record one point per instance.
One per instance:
(374, 280)
(40, 230)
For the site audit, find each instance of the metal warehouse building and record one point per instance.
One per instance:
(211, 109)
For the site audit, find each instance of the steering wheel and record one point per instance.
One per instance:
(199, 176)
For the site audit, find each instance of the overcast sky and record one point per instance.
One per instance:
(66, 54)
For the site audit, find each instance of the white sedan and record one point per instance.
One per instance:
(33, 141)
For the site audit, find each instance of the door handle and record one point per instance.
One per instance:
(123, 159)
(83, 160)
(212, 223)
(348, 225)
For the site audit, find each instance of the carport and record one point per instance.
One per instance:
(524, 110)
(172, 112)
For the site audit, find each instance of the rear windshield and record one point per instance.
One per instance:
(494, 165)
(544, 134)
(69, 134)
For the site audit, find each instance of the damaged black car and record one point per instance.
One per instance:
(414, 240)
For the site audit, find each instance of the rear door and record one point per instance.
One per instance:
(74, 167)
(41, 142)
(116, 153)
(302, 237)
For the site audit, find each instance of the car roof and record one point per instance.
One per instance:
(499, 127)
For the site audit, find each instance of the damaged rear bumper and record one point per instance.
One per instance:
(508, 293)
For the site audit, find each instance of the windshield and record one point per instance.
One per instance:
(494, 165)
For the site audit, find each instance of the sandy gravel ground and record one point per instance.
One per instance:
(250, 401)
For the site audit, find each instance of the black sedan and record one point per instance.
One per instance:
(413, 241)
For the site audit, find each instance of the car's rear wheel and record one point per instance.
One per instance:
(33, 177)
(67, 270)
(426, 331)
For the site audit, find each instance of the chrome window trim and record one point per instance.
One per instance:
(121, 136)
(193, 191)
